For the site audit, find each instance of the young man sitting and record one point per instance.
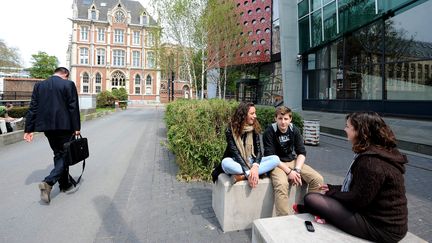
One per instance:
(285, 140)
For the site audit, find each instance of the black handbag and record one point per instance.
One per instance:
(76, 150)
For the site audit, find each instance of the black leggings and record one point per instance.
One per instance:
(338, 215)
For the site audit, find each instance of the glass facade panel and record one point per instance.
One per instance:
(365, 45)
(315, 4)
(329, 20)
(318, 84)
(316, 29)
(385, 5)
(311, 61)
(303, 8)
(403, 83)
(336, 54)
(304, 34)
(406, 35)
(353, 14)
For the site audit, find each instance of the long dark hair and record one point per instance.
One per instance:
(238, 119)
(371, 130)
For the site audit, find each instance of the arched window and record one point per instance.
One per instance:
(98, 83)
(148, 80)
(137, 84)
(148, 89)
(85, 82)
(118, 79)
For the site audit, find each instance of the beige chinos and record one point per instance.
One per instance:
(280, 185)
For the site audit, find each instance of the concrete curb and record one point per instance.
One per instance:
(405, 145)
(17, 136)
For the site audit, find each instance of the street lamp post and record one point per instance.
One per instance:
(172, 85)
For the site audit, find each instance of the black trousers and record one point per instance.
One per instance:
(60, 173)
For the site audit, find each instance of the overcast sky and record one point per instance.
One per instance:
(33, 26)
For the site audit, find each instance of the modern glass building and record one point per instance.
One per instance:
(363, 55)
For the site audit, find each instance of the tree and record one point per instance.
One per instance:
(226, 38)
(193, 25)
(43, 65)
(9, 56)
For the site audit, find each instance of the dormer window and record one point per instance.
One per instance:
(143, 19)
(119, 17)
(93, 13)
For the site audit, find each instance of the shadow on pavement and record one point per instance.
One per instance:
(114, 228)
(38, 175)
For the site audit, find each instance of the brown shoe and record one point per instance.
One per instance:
(45, 190)
(236, 178)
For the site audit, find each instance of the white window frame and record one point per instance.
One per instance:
(150, 59)
(84, 33)
(136, 38)
(148, 85)
(84, 55)
(137, 84)
(118, 36)
(98, 83)
(119, 58)
(101, 35)
(136, 58)
(85, 80)
(100, 56)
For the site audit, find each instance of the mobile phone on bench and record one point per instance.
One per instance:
(309, 226)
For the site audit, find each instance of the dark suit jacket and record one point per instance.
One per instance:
(54, 106)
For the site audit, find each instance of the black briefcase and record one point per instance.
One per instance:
(76, 150)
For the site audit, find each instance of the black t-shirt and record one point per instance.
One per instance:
(285, 145)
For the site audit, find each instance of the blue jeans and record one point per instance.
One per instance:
(60, 173)
(267, 164)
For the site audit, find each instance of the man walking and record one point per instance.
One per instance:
(54, 110)
(284, 140)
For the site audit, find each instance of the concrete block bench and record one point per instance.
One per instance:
(11, 137)
(237, 206)
(292, 229)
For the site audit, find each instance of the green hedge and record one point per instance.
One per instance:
(196, 133)
(18, 112)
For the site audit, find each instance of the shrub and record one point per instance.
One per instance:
(120, 94)
(105, 99)
(18, 112)
(196, 135)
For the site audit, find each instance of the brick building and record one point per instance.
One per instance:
(114, 44)
(260, 53)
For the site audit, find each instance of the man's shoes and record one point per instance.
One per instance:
(237, 178)
(70, 189)
(45, 191)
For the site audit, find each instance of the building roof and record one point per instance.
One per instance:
(103, 6)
